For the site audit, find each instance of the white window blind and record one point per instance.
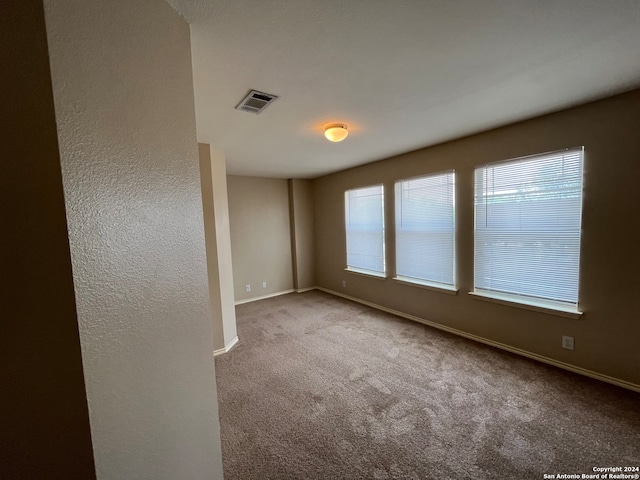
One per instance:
(527, 227)
(364, 216)
(425, 229)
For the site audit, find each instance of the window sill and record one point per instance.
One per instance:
(436, 287)
(527, 304)
(366, 273)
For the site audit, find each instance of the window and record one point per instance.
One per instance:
(527, 229)
(364, 218)
(425, 229)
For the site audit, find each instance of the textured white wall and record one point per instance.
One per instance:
(123, 94)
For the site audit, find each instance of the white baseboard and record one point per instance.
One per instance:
(486, 341)
(255, 299)
(228, 347)
(308, 289)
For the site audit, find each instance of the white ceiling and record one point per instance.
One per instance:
(403, 74)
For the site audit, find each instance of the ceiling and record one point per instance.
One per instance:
(402, 74)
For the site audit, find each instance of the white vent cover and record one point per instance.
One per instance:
(256, 101)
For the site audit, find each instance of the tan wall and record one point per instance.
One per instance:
(215, 207)
(260, 235)
(123, 95)
(44, 418)
(302, 233)
(606, 336)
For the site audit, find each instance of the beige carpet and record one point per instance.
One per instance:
(322, 388)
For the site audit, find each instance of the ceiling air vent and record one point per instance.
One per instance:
(256, 101)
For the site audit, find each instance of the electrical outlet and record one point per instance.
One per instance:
(264, 284)
(344, 284)
(567, 342)
(247, 288)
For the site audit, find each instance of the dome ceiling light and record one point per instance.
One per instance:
(336, 132)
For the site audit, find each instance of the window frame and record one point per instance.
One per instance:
(524, 300)
(358, 269)
(417, 281)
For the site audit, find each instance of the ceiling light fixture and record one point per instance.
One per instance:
(336, 132)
